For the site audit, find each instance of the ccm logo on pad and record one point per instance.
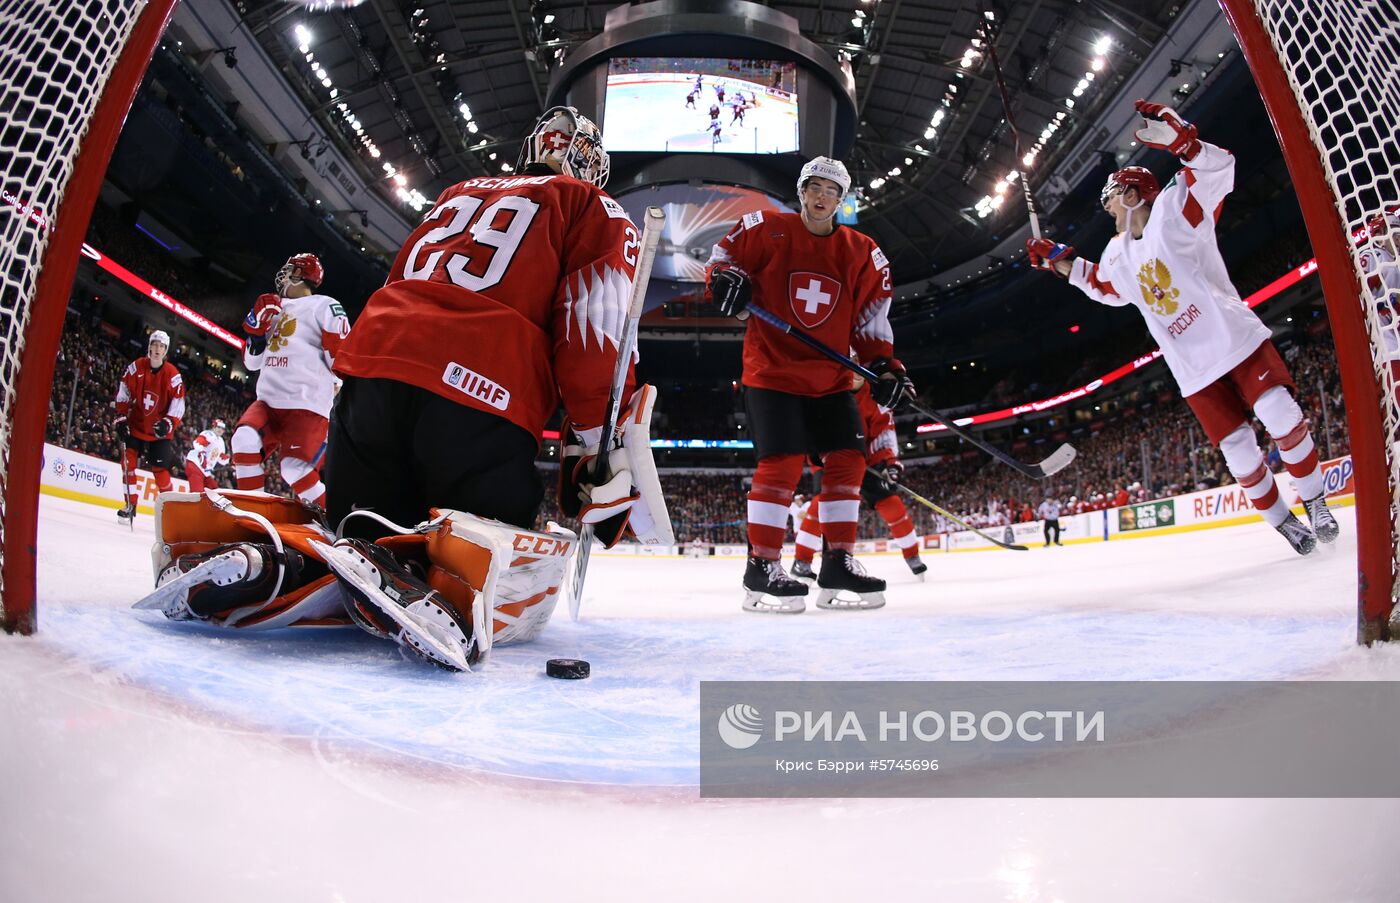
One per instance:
(474, 385)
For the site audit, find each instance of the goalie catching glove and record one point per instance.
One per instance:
(1163, 127)
(628, 498)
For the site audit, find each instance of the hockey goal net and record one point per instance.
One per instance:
(68, 72)
(1329, 73)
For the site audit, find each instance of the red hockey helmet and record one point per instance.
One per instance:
(1139, 177)
(302, 267)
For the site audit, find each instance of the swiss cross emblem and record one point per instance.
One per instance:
(813, 297)
(148, 401)
(555, 140)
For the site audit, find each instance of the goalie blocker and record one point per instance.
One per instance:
(447, 590)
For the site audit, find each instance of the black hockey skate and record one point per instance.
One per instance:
(1298, 535)
(769, 589)
(802, 570)
(127, 512)
(203, 584)
(842, 573)
(916, 566)
(1324, 525)
(390, 601)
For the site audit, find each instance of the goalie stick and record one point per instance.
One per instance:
(652, 222)
(990, 37)
(946, 513)
(1055, 462)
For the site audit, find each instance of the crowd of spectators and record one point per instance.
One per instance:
(215, 297)
(81, 407)
(1151, 449)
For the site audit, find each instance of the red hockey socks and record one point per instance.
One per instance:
(839, 502)
(773, 483)
(901, 524)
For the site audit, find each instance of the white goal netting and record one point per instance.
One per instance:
(56, 57)
(1342, 61)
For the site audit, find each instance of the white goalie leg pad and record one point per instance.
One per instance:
(650, 521)
(518, 589)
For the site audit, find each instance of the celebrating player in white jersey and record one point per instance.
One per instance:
(1165, 261)
(208, 452)
(293, 337)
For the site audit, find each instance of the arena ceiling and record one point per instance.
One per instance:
(402, 72)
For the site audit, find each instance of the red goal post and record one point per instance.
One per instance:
(68, 75)
(1329, 74)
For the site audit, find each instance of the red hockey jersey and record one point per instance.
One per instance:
(145, 396)
(835, 287)
(511, 293)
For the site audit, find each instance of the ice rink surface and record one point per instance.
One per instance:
(652, 116)
(146, 760)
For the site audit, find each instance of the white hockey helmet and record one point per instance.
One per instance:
(825, 168)
(570, 138)
(218, 424)
(159, 335)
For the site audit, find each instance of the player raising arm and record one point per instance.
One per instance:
(1165, 262)
(293, 337)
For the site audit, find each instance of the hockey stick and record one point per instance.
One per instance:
(946, 513)
(126, 488)
(652, 223)
(990, 38)
(1057, 460)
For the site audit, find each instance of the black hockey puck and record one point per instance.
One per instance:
(567, 668)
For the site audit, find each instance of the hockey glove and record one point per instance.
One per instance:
(265, 312)
(889, 474)
(123, 431)
(1045, 254)
(1163, 128)
(161, 428)
(894, 387)
(628, 497)
(731, 290)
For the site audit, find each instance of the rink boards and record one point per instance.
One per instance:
(84, 478)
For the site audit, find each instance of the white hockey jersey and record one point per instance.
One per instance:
(301, 346)
(1382, 272)
(208, 452)
(1175, 277)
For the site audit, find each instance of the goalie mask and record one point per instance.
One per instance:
(572, 141)
(1139, 177)
(298, 268)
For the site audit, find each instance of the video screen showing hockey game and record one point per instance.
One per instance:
(679, 105)
(697, 216)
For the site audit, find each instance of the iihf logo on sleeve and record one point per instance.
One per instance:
(740, 726)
